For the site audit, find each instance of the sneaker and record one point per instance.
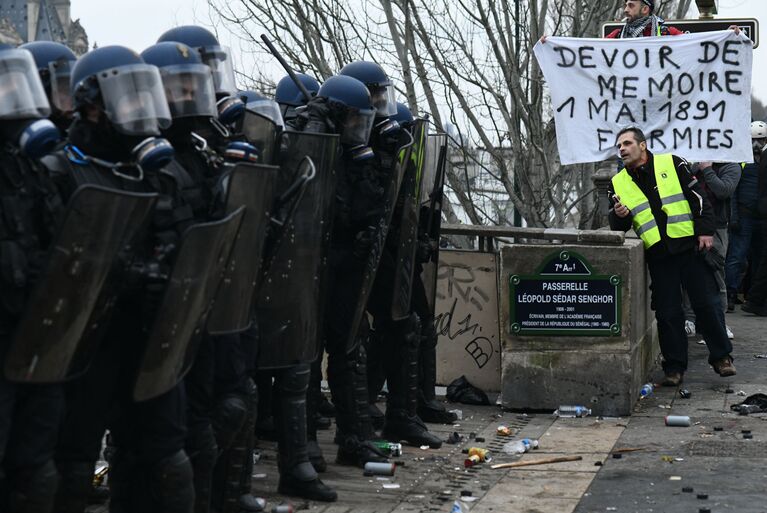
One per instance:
(671, 379)
(689, 328)
(730, 334)
(724, 367)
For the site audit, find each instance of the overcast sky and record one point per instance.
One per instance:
(140, 23)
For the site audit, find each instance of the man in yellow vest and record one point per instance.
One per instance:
(658, 197)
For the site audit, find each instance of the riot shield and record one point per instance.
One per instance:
(289, 301)
(262, 133)
(98, 223)
(178, 326)
(432, 189)
(251, 186)
(407, 223)
(377, 248)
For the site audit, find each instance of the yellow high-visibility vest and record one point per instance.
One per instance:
(679, 223)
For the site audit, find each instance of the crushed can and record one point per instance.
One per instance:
(391, 449)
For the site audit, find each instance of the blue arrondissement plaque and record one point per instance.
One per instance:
(565, 297)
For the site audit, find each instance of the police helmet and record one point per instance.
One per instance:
(54, 62)
(129, 90)
(263, 106)
(403, 115)
(378, 83)
(351, 99)
(22, 95)
(288, 93)
(218, 57)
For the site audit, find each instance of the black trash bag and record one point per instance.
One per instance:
(756, 403)
(461, 391)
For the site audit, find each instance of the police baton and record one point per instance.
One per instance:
(287, 67)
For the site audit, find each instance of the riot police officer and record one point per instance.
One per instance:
(54, 63)
(115, 142)
(402, 337)
(29, 209)
(343, 106)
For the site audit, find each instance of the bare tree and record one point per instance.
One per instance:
(468, 63)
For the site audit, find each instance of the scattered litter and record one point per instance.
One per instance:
(688, 489)
(756, 403)
(472, 460)
(685, 394)
(745, 431)
(675, 478)
(718, 428)
(519, 446)
(479, 439)
(461, 391)
(373, 468)
(391, 486)
(748, 437)
(741, 393)
(667, 459)
(646, 390)
(628, 449)
(382, 479)
(424, 447)
(617, 456)
(454, 438)
(390, 449)
(572, 411)
(283, 508)
(678, 459)
(665, 406)
(466, 493)
(258, 476)
(760, 356)
(468, 499)
(611, 508)
(504, 431)
(456, 508)
(729, 391)
(703, 496)
(472, 435)
(678, 420)
(597, 463)
(458, 414)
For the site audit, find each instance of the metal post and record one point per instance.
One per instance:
(601, 179)
(707, 8)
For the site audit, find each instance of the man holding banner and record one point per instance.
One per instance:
(667, 207)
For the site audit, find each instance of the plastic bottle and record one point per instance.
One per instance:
(646, 390)
(519, 446)
(572, 411)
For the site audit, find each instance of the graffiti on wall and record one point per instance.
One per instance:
(467, 318)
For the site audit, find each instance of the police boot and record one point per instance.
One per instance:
(376, 377)
(429, 409)
(75, 486)
(170, 484)
(33, 490)
(297, 476)
(231, 489)
(202, 451)
(402, 421)
(348, 376)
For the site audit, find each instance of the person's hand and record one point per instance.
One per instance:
(619, 208)
(734, 28)
(705, 165)
(544, 37)
(705, 242)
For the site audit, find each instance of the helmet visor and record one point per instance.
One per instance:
(384, 101)
(357, 127)
(219, 59)
(60, 72)
(134, 99)
(267, 109)
(22, 94)
(189, 90)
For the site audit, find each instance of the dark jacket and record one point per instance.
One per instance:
(719, 181)
(762, 201)
(703, 215)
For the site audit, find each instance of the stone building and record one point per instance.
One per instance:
(22, 21)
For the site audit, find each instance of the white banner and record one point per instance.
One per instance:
(690, 94)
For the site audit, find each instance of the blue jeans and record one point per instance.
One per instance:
(744, 241)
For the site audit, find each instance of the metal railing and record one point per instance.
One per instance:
(486, 235)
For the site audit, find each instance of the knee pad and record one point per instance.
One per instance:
(230, 415)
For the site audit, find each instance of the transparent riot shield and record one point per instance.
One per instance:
(178, 326)
(262, 133)
(377, 248)
(432, 190)
(251, 186)
(98, 224)
(289, 301)
(407, 223)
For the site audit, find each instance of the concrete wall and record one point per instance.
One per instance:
(469, 341)
(603, 373)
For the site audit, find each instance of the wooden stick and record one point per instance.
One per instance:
(628, 449)
(544, 461)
